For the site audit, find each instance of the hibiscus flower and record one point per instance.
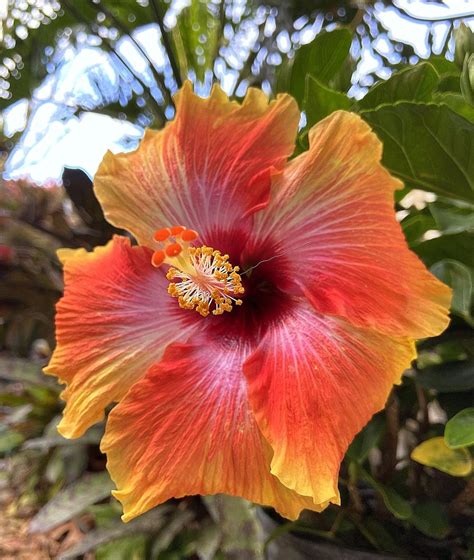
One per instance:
(263, 317)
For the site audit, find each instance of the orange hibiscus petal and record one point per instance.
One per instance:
(186, 429)
(332, 209)
(113, 322)
(207, 168)
(314, 382)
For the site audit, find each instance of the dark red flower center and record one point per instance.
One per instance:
(254, 287)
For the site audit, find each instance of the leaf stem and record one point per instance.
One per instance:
(389, 451)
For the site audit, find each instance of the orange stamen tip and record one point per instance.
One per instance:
(189, 235)
(162, 234)
(158, 258)
(176, 230)
(173, 249)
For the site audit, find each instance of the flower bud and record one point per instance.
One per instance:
(463, 43)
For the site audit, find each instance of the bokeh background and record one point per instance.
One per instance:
(78, 77)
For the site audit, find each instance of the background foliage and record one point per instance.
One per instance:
(406, 482)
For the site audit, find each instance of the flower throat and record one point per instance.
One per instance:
(201, 278)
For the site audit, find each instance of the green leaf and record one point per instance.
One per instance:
(416, 225)
(395, 503)
(10, 440)
(242, 535)
(463, 43)
(24, 371)
(410, 84)
(205, 544)
(459, 431)
(448, 378)
(321, 58)
(443, 66)
(431, 519)
(176, 524)
(457, 247)
(148, 523)
(197, 35)
(459, 278)
(381, 536)
(435, 453)
(427, 146)
(47, 442)
(130, 548)
(366, 440)
(467, 79)
(71, 501)
(452, 219)
(320, 100)
(457, 103)
(450, 83)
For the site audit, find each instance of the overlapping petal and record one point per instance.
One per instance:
(186, 428)
(314, 382)
(332, 211)
(207, 168)
(113, 322)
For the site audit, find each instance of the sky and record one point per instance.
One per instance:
(54, 137)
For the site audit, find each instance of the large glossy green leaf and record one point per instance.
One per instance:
(448, 378)
(459, 431)
(71, 501)
(428, 146)
(320, 100)
(321, 58)
(410, 84)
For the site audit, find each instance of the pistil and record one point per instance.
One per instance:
(201, 278)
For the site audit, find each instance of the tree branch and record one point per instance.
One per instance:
(166, 42)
